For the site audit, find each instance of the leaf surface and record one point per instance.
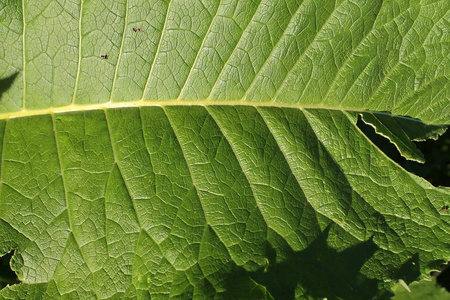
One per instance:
(210, 149)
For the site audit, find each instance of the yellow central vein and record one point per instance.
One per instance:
(73, 108)
(136, 104)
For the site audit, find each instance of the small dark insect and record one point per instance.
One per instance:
(138, 29)
(444, 208)
(105, 56)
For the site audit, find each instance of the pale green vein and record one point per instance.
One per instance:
(69, 211)
(157, 49)
(290, 162)
(355, 80)
(192, 177)
(1, 161)
(399, 62)
(77, 76)
(23, 56)
(55, 134)
(422, 88)
(120, 171)
(275, 47)
(120, 51)
(350, 56)
(285, 157)
(133, 201)
(238, 159)
(20, 193)
(187, 163)
(232, 52)
(330, 155)
(200, 49)
(294, 66)
(151, 163)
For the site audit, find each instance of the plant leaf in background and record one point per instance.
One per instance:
(202, 149)
(402, 132)
(420, 290)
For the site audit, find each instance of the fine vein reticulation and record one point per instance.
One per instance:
(370, 55)
(200, 149)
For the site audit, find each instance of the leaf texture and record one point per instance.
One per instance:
(371, 55)
(209, 149)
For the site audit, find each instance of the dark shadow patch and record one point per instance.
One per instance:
(6, 83)
(7, 276)
(321, 272)
(443, 279)
(443, 276)
(410, 270)
(318, 272)
(437, 161)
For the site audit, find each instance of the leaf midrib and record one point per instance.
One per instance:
(165, 103)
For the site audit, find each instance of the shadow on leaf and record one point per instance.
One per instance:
(6, 83)
(7, 276)
(320, 271)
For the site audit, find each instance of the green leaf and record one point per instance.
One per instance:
(423, 289)
(402, 131)
(388, 127)
(209, 149)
